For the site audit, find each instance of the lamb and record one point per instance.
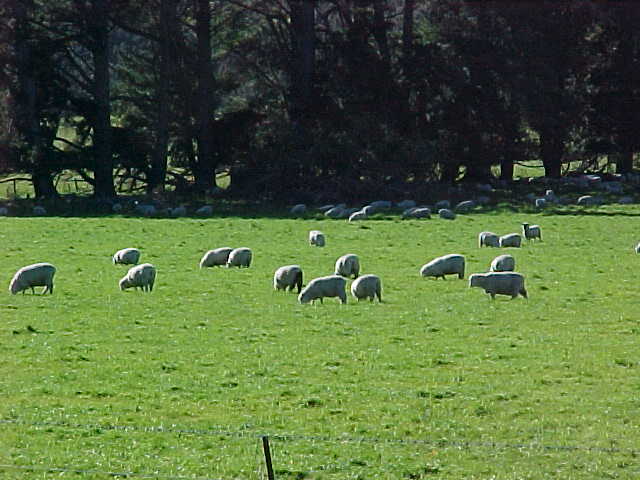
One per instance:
(531, 231)
(36, 275)
(348, 265)
(488, 239)
(510, 240)
(503, 263)
(445, 265)
(141, 276)
(499, 283)
(240, 257)
(321, 287)
(288, 276)
(417, 212)
(216, 257)
(316, 237)
(126, 256)
(367, 286)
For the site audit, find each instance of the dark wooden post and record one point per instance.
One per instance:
(267, 457)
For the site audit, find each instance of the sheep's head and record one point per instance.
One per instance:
(15, 286)
(476, 280)
(305, 296)
(124, 283)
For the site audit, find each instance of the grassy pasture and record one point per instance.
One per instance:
(436, 382)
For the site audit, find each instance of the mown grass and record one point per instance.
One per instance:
(436, 382)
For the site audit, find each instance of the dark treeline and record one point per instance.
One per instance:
(297, 97)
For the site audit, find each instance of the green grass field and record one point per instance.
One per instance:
(438, 381)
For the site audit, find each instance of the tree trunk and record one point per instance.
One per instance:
(158, 171)
(43, 186)
(205, 167)
(551, 152)
(506, 169)
(103, 169)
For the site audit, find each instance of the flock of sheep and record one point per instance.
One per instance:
(501, 278)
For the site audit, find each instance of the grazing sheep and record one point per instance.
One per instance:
(531, 231)
(442, 204)
(335, 212)
(348, 265)
(367, 286)
(417, 212)
(510, 240)
(316, 237)
(380, 204)
(216, 257)
(36, 275)
(446, 214)
(39, 211)
(445, 265)
(465, 206)
(299, 209)
(499, 283)
(589, 200)
(541, 203)
(321, 287)
(503, 263)
(141, 276)
(550, 197)
(240, 257)
(359, 215)
(368, 210)
(126, 256)
(488, 239)
(325, 208)
(288, 276)
(205, 211)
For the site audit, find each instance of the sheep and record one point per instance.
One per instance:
(325, 208)
(442, 204)
(180, 211)
(205, 211)
(288, 276)
(541, 203)
(39, 211)
(216, 257)
(465, 206)
(589, 200)
(503, 263)
(321, 287)
(446, 214)
(499, 283)
(348, 265)
(368, 210)
(445, 265)
(417, 212)
(510, 240)
(531, 231)
(240, 257)
(622, 201)
(317, 238)
(637, 248)
(335, 212)
(380, 204)
(359, 215)
(117, 208)
(126, 256)
(488, 239)
(36, 275)
(141, 276)
(367, 286)
(299, 209)
(4, 211)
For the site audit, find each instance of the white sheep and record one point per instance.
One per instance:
(359, 215)
(417, 212)
(36, 275)
(126, 256)
(503, 263)
(510, 240)
(465, 206)
(299, 209)
(215, 257)
(446, 214)
(317, 238)
(488, 239)
(348, 265)
(531, 231)
(288, 277)
(321, 287)
(499, 283)
(445, 265)
(367, 286)
(240, 257)
(141, 276)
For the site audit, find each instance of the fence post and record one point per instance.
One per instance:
(267, 457)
